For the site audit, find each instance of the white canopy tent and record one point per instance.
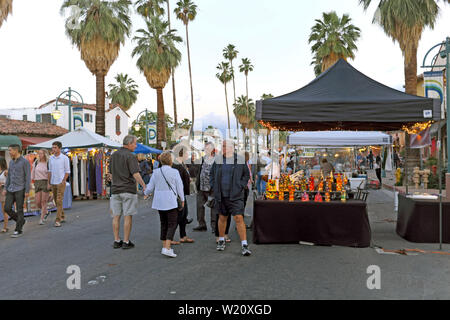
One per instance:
(79, 139)
(339, 138)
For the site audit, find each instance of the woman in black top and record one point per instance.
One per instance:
(378, 168)
(186, 178)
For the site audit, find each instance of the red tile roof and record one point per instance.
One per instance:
(87, 106)
(29, 128)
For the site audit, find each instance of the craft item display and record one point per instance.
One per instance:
(305, 197)
(311, 183)
(318, 197)
(327, 197)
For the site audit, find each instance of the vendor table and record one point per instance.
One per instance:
(418, 220)
(324, 223)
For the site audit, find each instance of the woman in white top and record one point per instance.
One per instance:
(3, 175)
(166, 185)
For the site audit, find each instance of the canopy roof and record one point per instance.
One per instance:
(6, 141)
(79, 139)
(339, 138)
(342, 98)
(146, 150)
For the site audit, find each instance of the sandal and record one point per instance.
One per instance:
(228, 240)
(57, 224)
(173, 243)
(5, 230)
(188, 240)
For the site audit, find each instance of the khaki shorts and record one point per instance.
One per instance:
(123, 204)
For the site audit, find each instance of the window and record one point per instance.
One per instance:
(118, 125)
(46, 118)
(25, 117)
(38, 118)
(86, 117)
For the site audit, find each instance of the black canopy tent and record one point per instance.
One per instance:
(342, 98)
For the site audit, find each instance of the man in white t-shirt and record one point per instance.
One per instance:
(58, 172)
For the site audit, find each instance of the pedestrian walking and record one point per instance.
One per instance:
(39, 174)
(204, 192)
(124, 169)
(3, 175)
(377, 167)
(144, 168)
(370, 158)
(17, 187)
(229, 176)
(156, 163)
(180, 165)
(168, 198)
(58, 172)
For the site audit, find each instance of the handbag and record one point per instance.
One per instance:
(179, 202)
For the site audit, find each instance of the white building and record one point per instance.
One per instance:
(116, 119)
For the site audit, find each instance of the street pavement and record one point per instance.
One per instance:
(34, 266)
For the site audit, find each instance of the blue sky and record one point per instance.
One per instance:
(37, 60)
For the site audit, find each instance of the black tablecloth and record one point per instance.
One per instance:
(326, 223)
(418, 220)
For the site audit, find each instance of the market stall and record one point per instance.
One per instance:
(89, 155)
(338, 147)
(341, 98)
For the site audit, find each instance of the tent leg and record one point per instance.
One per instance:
(406, 160)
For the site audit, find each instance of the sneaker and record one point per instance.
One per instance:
(246, 251)
(168, 253)
(188, 221)
(46, 216)
(118, 244)
(128, 245)
(41, 222)
(220, 245)
(57, 224)
(16, 234)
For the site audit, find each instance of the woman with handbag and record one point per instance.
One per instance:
(39, 174)
(168, 199)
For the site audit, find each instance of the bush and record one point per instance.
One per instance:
(430, 162)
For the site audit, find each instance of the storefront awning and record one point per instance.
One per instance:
(29, 141)
(6, 141)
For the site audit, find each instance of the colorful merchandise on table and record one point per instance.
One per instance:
(305, 197)
(311, 183)
(272, 185)
(327, 197)
(318, 197)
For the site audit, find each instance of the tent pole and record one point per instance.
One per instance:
(440, 186)
(406, 160)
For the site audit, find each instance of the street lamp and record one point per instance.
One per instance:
(145, 122)
(67, 95)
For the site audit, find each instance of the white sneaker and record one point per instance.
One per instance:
(41, 222)
(168, 253)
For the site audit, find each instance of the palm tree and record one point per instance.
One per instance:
(103, 27)
(230, 53)
(175, 115)
(186, 124)
(186, 11)
(243, 109)
(246, 67)
(334, 38)
(5, 10)
(404, 22)
(225, 75)
(124, 92)
(149, 8)
(157, 56)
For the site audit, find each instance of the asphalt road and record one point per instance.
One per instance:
(34, 266)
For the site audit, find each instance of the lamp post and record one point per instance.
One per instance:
(145, 122)
(67, 95)
(444, 54)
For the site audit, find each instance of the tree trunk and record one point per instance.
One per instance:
(175, 115)
(228, 111)
(410, 62)
(100, 104)
(234, 94)
(190, 78)
(161, 121)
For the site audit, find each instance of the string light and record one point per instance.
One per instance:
(417, 127)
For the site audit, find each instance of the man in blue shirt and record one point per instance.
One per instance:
(17, 187)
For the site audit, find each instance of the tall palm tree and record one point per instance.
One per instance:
(149, 8)
(225, 75)
(5, 10)
(102, 27)
(157, 56)
(186, 11)
(175, 115)
(230, 53)
(243, 109)
(246, 67)
(334, 38)
(404, 22)
(124, 91)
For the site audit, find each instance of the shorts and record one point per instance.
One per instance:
(41, 185)
(123, 204)
(226, 207)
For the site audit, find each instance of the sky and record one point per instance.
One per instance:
(38, 61)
